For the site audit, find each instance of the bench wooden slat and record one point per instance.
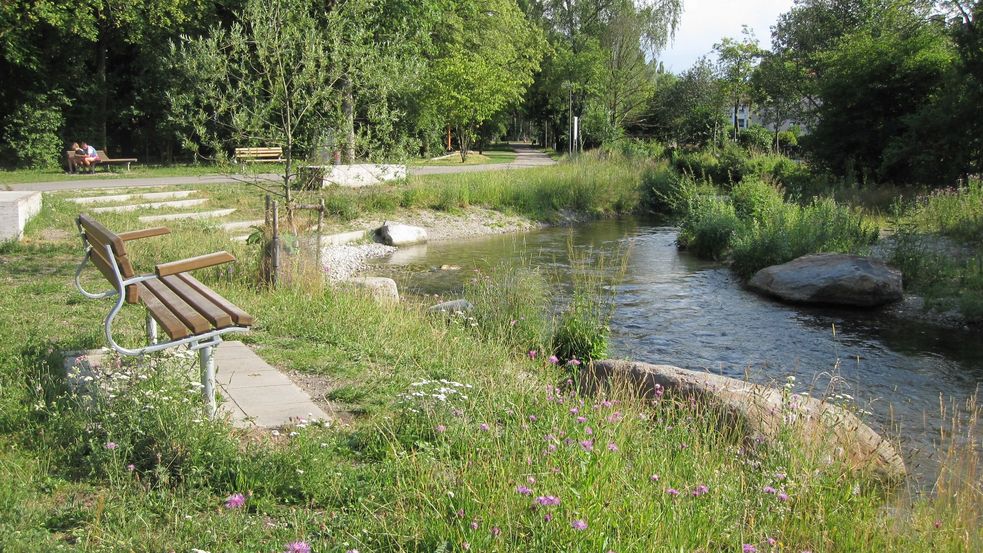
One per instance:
(168, 321)
(217, 316)
(99, 237)
(188, 315)
(240, 317)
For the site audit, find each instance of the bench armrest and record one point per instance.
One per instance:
(192, 263)
(145, 233)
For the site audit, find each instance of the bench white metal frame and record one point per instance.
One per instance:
(202, 342)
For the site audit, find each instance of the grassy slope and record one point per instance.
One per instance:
(395, 480)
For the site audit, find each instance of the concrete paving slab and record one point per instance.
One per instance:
(127, 197)
(344, 237)
(16, 208)
(176, 204)
(252, 393)
(191, 215)
(239, 225)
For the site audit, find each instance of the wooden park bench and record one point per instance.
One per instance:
(259, 155)
(190, 313)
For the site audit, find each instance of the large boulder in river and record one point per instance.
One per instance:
(398, 234)
(762, 411)
(831, 278)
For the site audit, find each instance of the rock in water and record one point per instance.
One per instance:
(761, 410)
(831, 278)
(381, 289)
(398, 234)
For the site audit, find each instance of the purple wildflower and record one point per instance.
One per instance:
(782, 496)
(548, 517)
(483, 427)
(606, 403)
(465, 546)
(496, 531)
(769, 490)
(131, 467)
(702, 489)
(748, 548)
(460, 513)
(613, 447)
(554, 360)
(654, 478)
(672, 491)
(111, 445)
(588, 445)
(235, 501)
(579, 524)
(523, 490)
(581, 420)
(474, 524)
(772, 541)
(615, 417)
(533, 418)
(589, 431)
(574, 362)
(574, 410)
(440, 428)
(658, 391)
(548, 500)
(532, 354)
(298, 547)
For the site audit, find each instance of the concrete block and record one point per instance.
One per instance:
(16, 208)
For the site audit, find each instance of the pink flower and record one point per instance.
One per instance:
(131, 467)
(574, 410)
(782, 496)
(581, 420)
(111, 445)
(522, 490)
(440, 428)
(702, 489)
(579, 525)
(654, 478)
(588, 445)
(483, 427)
(531, 480)
(658, 391)
(748, 548)
(589, 431)
(615, 417)
(460, 513)
(496, 531)
(769, 490)
(772, 541)
(532, 418)
(532, 354)
(672, 491)
(548, 517)
(613, 447)
(554, 360)
(298, 547)
(474, 524)
(574, 362)
(235, 501)
(465, 546)
(548, 500)
(938, 524)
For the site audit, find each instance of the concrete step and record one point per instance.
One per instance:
(191, 215)
(240, 225)
(344, 237)
(152, 205)
(128, 197)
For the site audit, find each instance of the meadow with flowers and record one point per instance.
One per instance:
(466, 433)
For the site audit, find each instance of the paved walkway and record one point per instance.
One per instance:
(526, 157)
(251, 392)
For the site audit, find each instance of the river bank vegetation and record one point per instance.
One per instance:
(452, 434)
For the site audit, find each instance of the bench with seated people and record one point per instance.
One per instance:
(190, 313)
(73, 165)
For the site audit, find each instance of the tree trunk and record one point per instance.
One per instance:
(348, 108)
(103, 91)
(464, 141)
(736, 106)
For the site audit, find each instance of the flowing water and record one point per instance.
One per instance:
(673, 308)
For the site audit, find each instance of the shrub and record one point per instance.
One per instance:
(511, 306)
(733, 164)
(635, 148)
(31, 133)
(670, 192)
(707, 229)
(754, 199)
(755, 139)
(581, 333)
(794, 231)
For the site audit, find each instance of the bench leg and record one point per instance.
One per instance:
(207, 363)
(151, 329)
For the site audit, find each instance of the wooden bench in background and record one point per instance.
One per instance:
(189, 312)
(259, 155)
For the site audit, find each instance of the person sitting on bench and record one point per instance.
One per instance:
(86, 156)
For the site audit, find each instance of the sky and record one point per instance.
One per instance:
(705, 22)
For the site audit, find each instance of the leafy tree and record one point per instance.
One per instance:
(487, 56)
(688, 111)
(736, 62)
(268, 79)
(775, 90)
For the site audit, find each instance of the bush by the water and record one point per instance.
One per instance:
(670, 192)
(708, 226)
(754, 199)
(794, 230)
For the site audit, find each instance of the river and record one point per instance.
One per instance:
(673, 308)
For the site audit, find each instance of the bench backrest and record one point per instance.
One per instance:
(102, 155)
(259, 152)
(98, 237)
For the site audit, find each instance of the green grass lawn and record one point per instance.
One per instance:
(26, 176)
